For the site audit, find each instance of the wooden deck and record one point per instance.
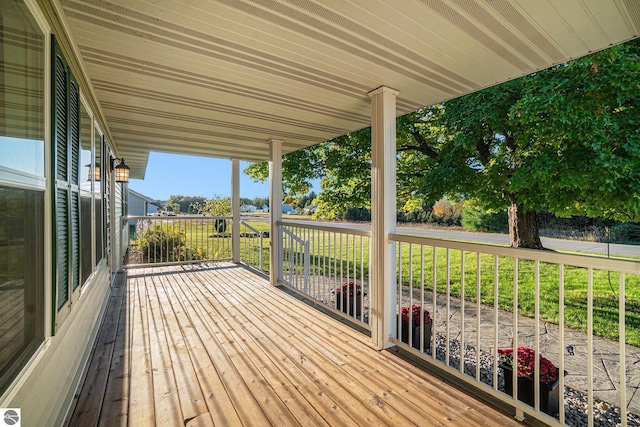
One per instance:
(201, 346)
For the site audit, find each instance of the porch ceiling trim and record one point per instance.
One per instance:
(221, 78)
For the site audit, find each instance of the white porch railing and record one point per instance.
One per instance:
(483, 298)
(328, 265)
(169, 240)
(254, 248)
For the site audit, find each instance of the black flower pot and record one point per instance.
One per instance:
(415, 335)
(549, 393)
(349, 304)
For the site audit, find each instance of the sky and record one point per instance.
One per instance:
(172, 174)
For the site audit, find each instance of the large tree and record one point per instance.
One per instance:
(564, 140)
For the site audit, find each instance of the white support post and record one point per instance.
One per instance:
(275, 207)
(383, 214)
(235, 209)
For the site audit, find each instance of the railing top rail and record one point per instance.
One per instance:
(294, 237)
(132, 217)
(586, 261)
(326, 227)
(255, 230)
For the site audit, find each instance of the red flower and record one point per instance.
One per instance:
(415, 314)
(526, 364)
(349, 288)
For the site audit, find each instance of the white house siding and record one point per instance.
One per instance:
(48, 386)
(45, 386)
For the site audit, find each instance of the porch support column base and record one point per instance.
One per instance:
(275, 208)
(383, 215)
(235, 209)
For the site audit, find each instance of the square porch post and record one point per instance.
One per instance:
(275, 207)
(235, 210)
(383, 214)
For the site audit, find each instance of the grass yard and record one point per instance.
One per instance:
(605, 284)
(605, 289)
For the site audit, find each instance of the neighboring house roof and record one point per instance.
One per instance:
(311, 209)
(141, 196)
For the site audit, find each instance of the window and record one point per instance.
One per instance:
(88, 178)
(98, 191)
(22, 185)
(21, 109)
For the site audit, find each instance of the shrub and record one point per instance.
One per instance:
(221, 225)
(165, 243)
(356, 214)
(628, 232)
(475, 218)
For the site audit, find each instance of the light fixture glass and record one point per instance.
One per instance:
(94, 174)
(122, 171)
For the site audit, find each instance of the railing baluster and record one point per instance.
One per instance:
(410, 324)
(519, 414)
(448, 311)
(335, 267)
(422, 308)
(462, 340)
(590, 346)
(478, 313)
(355, 279)
(561, 348)
(536, 337)
(364, 289)
(622, 349)
(435, 303)
(495, 321)
(399, 293)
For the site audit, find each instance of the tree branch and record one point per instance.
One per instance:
(423, 146)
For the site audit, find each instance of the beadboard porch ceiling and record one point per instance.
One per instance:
(221, 77)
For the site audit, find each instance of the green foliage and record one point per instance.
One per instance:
(474, 218)
(627, 232)
(298, 169)
(218, 206)
(306, 200)
(185, 203)
(356, 214)
(166, 243)
(586, 116)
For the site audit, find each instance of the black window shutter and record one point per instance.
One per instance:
(61, 167)
(74, 185)
(65, 157)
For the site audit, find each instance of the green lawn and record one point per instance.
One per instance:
(605, 289)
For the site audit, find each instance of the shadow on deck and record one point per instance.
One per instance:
(217, 345)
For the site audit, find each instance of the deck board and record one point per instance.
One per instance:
(217, 345)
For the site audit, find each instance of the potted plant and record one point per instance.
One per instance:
(549, 390)
(348, 298)
(411, 324)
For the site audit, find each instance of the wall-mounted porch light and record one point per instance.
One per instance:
(122, 170)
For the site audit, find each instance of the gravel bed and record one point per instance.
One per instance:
(575, 402)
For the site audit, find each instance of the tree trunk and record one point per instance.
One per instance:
(523, 227)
